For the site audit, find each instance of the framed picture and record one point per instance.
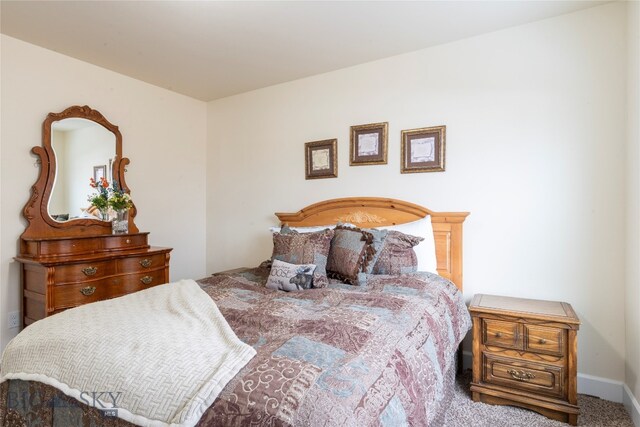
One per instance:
(369, 144)
(423, 150)
(321, 159)
(99, 172)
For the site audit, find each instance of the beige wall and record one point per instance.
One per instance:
(535, 120)
(632, 291)
(164, 135)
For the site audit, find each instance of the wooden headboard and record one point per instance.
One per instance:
(378, 212)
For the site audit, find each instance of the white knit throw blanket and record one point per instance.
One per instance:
(160, 356)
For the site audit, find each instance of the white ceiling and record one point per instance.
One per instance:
(213, 49)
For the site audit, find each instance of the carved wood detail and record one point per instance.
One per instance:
(40, 224)
(359, 217)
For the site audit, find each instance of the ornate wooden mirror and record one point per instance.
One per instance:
(68, 257)
(77, 144)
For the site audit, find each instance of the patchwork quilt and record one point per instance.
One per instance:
(377, 355)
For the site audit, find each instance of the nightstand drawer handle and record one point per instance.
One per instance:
(146, 280)
(89, 290)
(542, 341)
(90, 271)
(498, 334)
(521, 375)
(145, 263)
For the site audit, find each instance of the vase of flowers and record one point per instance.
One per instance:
(100, 200)
(120, 202)
(111, 198)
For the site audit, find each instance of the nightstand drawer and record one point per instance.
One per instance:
(539, 339)
(530, 376)
(502, 334)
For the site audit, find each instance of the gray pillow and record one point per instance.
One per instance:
(378, 238)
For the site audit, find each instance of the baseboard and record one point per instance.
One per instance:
(604, 388)
(632, 405)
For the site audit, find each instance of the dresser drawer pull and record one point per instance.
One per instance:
(89, 290)
(521, 375)
(498, 334)
(145, 263)
(542, 341)
(146, 280)
(90, 271)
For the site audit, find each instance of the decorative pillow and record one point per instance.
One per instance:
(351, 252)
(290, 277)
(425, 250)
(379, 237)
(307, 248)
(397, 255)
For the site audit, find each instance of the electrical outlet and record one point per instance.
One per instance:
(14, 320)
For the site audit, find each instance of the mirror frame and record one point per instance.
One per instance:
(36, 211)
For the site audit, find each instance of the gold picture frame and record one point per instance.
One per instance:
(321, 159)
(423, 150)
(369, 144)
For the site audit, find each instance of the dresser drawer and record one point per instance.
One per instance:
(72, 295)
(126, 241)
(141, 263)
(80, 245)
(539, 339)
(502, 333)
(65, 247)
(144, 280)
(524, 375)
(82, 272)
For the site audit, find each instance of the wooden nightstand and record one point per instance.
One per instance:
(524, 354)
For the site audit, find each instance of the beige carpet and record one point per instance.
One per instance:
(594, 412)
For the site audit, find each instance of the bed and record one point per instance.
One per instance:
(380, 354)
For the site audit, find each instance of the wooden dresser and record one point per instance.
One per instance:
(525, 354)
(60, 273)
(68, 262)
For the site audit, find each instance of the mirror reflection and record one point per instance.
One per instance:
(83, 150)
